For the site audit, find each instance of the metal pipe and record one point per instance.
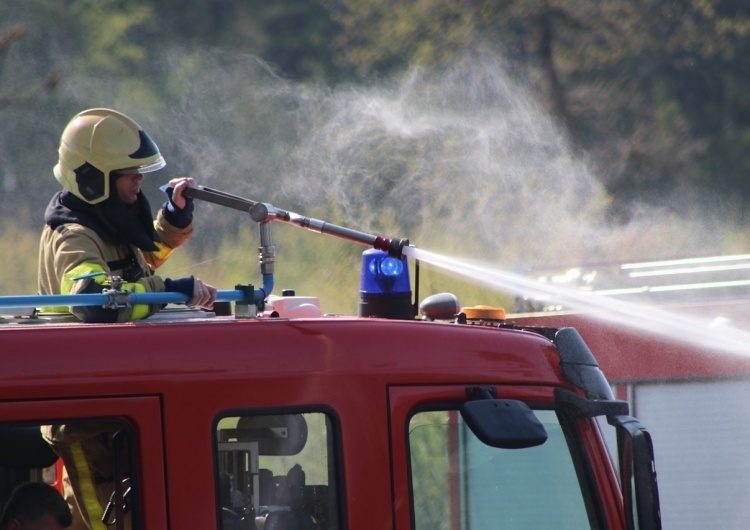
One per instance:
(392, 246)
(266, 250)
(219, 197)
(264, 212)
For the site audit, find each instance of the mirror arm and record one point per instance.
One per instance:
(481, 392)
(589, 408)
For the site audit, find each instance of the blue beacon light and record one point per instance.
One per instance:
(385, 289)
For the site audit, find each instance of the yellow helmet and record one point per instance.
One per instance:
(97, 142)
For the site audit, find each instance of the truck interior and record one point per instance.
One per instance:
(277, 472)
(26, 456)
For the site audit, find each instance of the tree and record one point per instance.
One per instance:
(294, 37)
(653, 90)
(25, 95)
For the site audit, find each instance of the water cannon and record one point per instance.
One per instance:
(263, 213)
(384, 285)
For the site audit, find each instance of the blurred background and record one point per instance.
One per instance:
(529, 134)
(562, 138)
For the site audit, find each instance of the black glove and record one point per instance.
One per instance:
(181, 285)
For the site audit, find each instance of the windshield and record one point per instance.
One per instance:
(459, 483)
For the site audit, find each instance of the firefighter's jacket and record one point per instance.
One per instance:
(98, 242)
(93, 464)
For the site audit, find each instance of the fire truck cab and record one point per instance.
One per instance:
(327, 423)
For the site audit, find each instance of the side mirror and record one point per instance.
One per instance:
(504, 423)
(640, 490)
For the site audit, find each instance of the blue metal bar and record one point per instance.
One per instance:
(53, 300)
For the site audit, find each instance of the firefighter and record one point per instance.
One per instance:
(35, 506)
(100, 225)
(92, 467)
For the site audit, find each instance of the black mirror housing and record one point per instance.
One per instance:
(504, 423)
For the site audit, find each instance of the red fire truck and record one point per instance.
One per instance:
(279, 416)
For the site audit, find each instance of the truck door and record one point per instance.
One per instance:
(136, 473)
(445, 477)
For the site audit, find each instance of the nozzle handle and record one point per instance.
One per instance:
(221, 198)
(264, 212)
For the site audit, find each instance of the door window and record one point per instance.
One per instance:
(92, 452)
(90, 462)
(277, 470)
(458, 482)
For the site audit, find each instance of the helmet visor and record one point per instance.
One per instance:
(146, 158)
(147, 168)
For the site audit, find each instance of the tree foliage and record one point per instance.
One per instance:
(362, 111)
(650, 88)
(654, 90)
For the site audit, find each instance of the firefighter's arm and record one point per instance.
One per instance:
(174, 222)
(77, 255)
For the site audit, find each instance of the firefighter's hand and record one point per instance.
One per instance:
(204, 295)
(178, 186)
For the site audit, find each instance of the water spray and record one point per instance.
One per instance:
(689, 330)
